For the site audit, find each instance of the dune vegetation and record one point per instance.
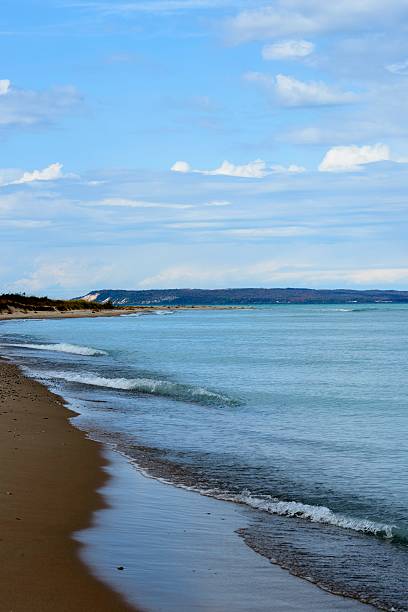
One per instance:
(11, 302)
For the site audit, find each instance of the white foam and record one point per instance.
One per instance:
(145, 385)
(62, 348)
(315, 514)
(163, 312)
(264, 503)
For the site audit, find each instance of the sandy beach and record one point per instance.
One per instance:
(49, 478)
(117, 312)
(69, 314)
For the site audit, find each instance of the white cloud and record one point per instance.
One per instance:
(128, 203)
(248, 233)
(315, 135)
(20, 107)
(378, 275)
(181, 166)
(94, 183)
(400, 68)
(125, 220)
(4, 87)
(370, 277)
(303, 17)
(183, 275)
(270, 232)
(218, 203)
(193, 225)
(8, 175)
(52, 172)
(11, 176)
(342, 130)
(380, 115)
(152, 6)
(254, 169)
(9, 202)
(291, 169)
(287, 49)
(273, 273)
(352, 158)
(70, 274)
(24, 224)
(260, 78)
(292, 92)
(267, 22)
(65, 274)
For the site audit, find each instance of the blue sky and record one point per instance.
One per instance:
(203, 143)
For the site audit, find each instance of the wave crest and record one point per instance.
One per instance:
(150, 386)
(62, 348)
(315, 514)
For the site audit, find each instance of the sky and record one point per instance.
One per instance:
(203, 143)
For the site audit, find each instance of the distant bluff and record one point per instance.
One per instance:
(246, 296)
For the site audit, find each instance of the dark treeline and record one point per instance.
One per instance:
(29, 303)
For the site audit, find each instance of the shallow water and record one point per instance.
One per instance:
(299, 412)
(179, 551)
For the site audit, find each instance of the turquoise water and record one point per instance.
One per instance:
(297, 411)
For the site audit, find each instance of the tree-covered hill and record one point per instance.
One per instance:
(222, 297)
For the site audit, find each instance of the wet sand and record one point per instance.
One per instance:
(49, 476)
(181, 552)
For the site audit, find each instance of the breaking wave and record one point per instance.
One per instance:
(150, 386)
(341, 310)
(164, 312)
(62, 348)
(315, 514)
(293, 509)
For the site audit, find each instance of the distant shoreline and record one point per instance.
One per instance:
(244, 297)
(117, 312)
(120, 312)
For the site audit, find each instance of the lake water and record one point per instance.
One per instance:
(298, 412)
